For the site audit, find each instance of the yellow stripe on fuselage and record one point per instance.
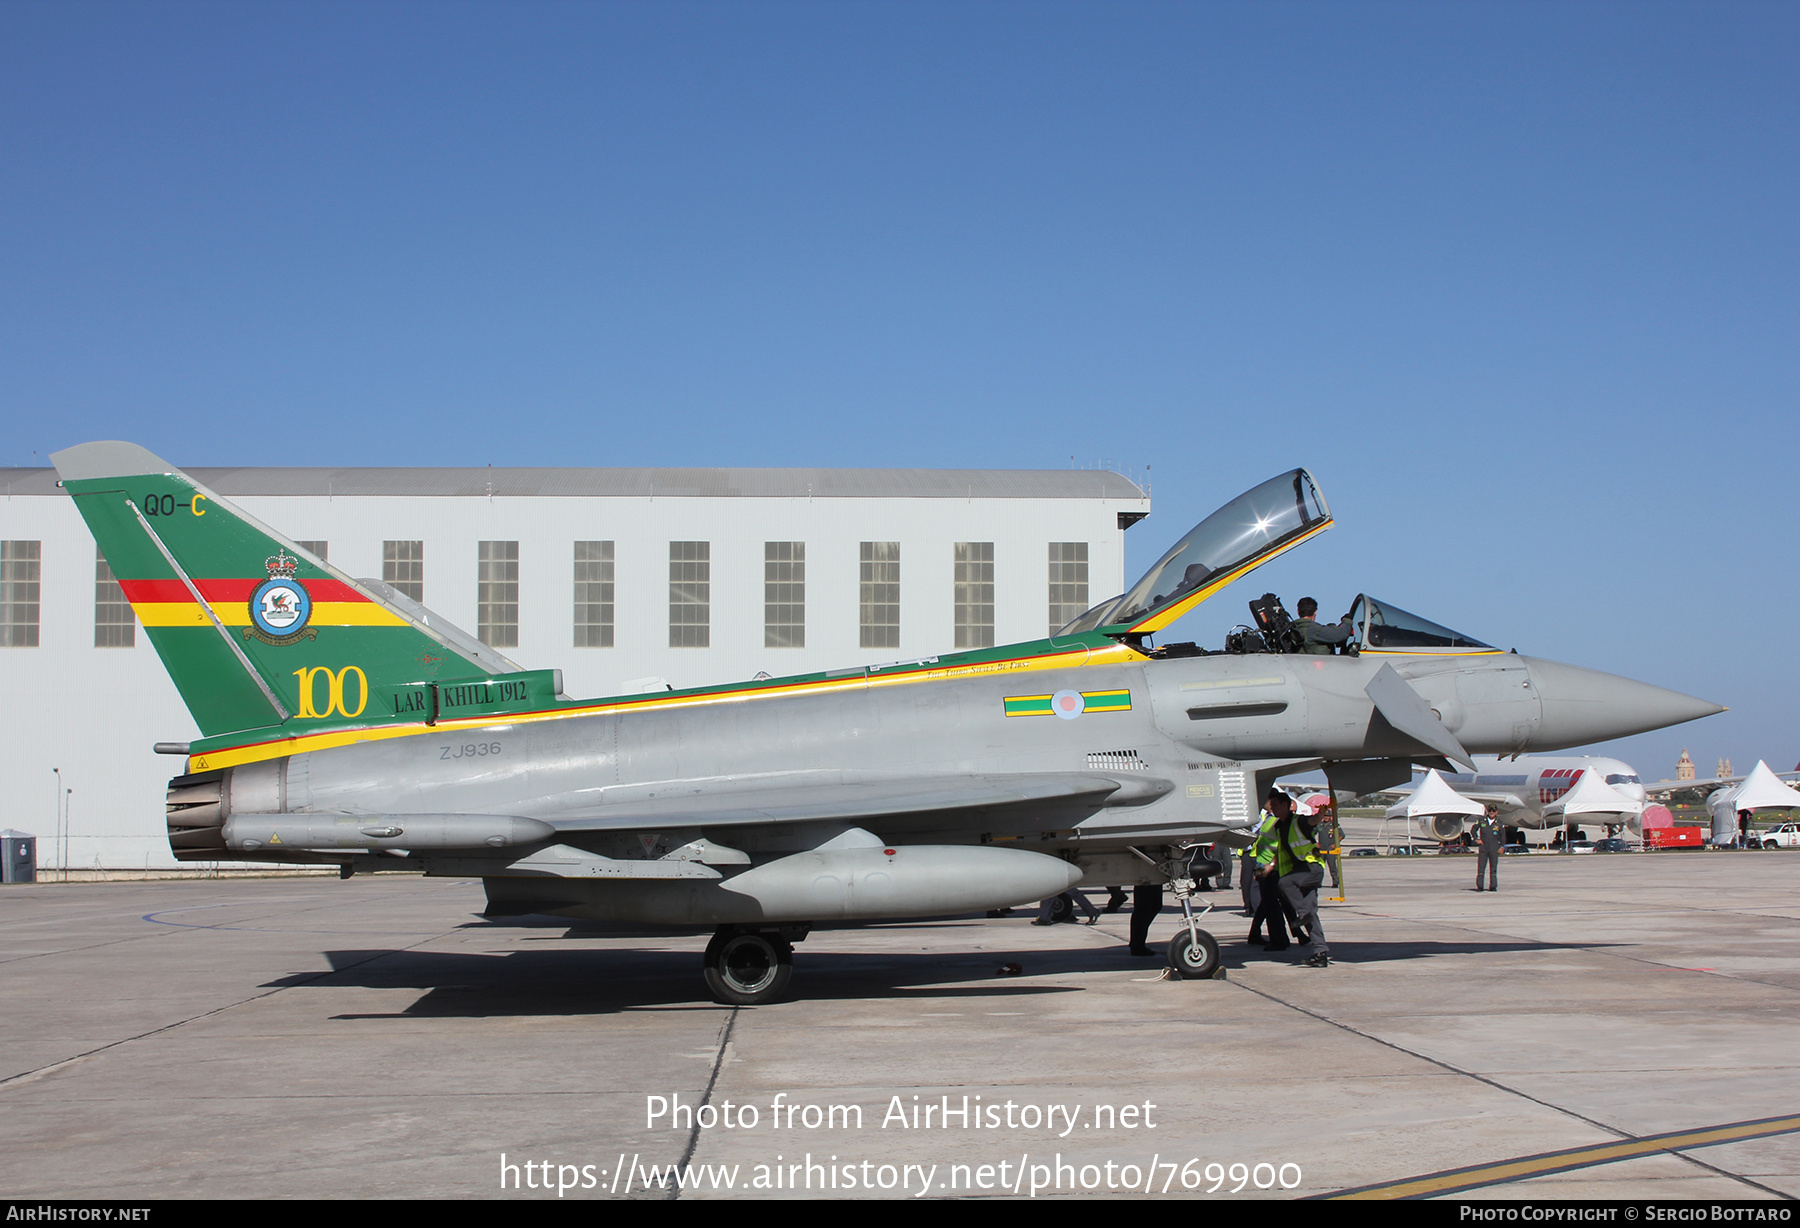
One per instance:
(237, 614)
(1431, 652)
(212, 761)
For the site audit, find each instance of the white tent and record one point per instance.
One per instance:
(1760, 790)
(1436, 808)
(1433, 797)
(1591, 795)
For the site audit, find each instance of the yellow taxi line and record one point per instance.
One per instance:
(1520, 1168)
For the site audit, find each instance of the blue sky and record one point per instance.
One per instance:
(1518, 282)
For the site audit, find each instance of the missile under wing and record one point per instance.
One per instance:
(343, 725)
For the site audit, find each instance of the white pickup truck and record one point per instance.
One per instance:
(1787, 836)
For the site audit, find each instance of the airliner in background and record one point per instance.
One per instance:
(1527, 789)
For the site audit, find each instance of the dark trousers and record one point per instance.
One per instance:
(1273, 909)
(1146, 905)
(1489, 859)
(1301, 891)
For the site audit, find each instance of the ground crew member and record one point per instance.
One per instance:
(1270, 906)
(1247, 878)
(1489, 835)
(1315, 637)
(1300, 875)
(1329, 838)
(1146, 906)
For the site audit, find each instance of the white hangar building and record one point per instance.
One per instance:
(625, 579)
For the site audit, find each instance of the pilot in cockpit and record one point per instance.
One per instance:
(1315, 637)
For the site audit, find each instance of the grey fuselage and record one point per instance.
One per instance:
(1185, 755)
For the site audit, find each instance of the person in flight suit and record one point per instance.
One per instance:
(1314, 636)
(1489, 836)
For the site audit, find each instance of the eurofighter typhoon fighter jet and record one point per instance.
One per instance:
(342, 723)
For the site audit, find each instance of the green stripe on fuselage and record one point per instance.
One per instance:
(1106, 701)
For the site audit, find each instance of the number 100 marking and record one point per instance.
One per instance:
(334, 691)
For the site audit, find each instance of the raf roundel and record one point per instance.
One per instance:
(280, 606)
(1068, 704)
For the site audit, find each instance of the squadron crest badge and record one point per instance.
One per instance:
(280, 608)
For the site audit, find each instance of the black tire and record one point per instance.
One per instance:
(748, 969)
(1192, 963)
(1062, 910)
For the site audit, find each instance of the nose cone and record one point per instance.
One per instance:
(1585, 705)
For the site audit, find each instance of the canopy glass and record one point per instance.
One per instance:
(1245, 533)
(1388, 628)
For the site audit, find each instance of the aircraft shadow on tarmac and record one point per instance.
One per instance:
(588, 982)
(597, 982)
(1242, 955)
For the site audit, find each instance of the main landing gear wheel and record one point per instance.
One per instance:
(1062, 909)
(1190, 962)
(748, 969)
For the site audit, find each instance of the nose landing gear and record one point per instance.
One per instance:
(1191, 960)
(1193, 953)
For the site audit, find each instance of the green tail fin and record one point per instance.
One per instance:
(259, 636)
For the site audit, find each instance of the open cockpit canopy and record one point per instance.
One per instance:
(1387, 628)
(1241, 536)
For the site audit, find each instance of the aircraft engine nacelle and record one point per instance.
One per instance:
(1441, 826)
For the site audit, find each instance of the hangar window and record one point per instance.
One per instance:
(784, 594)
(690, 594)
(593, 594)
(19, 576)
(880, 597)
(114, 625)
(403, 566)
(1068, 582)
(497, 594)
(319, 550)
(974, 594)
